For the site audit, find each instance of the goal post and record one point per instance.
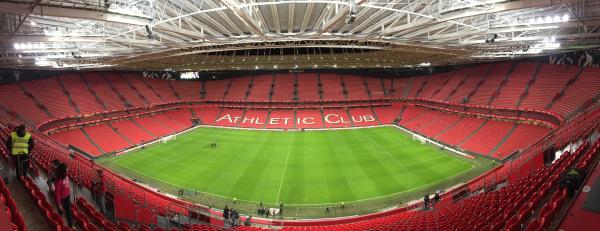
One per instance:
(419, 138)
(168, 138)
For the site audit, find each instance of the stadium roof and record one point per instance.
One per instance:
(261, 34)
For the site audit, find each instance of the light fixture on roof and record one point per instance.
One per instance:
(32, 23)
(17, 46)
(548, 19)
(565, 17)
(256, 67)
(275, 66)
(556, 18)
(425, 64)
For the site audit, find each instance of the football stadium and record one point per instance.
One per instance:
(206, 115)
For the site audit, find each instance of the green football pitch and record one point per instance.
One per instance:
(316, 169)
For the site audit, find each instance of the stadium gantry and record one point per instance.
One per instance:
(300, 115)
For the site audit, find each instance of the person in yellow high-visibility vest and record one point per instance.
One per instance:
(20, 144)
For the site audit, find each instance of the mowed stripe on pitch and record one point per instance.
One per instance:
(322, 166)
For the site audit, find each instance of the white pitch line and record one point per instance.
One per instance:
(386, 152)
(284, 169)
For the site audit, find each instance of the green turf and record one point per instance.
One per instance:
(296, 168)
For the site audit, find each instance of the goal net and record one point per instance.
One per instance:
(420, 139)
(168, 138)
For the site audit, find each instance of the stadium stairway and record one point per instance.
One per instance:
(561, 93)
(529, 84)
(350, 117)
(478, 85)
(502, 83)
(93, 92)
(173, 90)
(376, 116)
(149, 86)
(68, 95)
(121, 135)
(143, 128)
(135, 89)
(472, 133)
(92, 140)
(35, 100)
(503, 140)
(126, 102)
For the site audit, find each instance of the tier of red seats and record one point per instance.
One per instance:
(492, 81)
(76, 138)
(119, 82)
(515, 87)
(308, 90)
(332, 87)
(336, 118)
(163, 89)
(50, 94)
(474, 83)
(375, 87)
(139, 84)
(187, 90)
(460, 131)
(415, 86)
(284, 88)
(438, 82)
(309, 119)
(254, 119)
(215, 89)
(90, 216)
(229, 118)
(239, 88)
(585, 88)
(521, 137)
(132, 131)
(106, 138)
(45, 208)
(261, 88)
(549, 82)
(486, 138)
(442, 122)
(355, 87)
(179, 119)
(8, 206)
(98, 84)
(14, 99)
(154, 126)
(206, 115)
(81, 94)
(283, 119)
(410, 113)
(386, 115)
(362, 117)
(416, 117)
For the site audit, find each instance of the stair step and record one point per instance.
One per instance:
(503, 140)
(92, 141)
(472, 133)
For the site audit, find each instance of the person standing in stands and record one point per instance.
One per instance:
(235, 217)
(426, 202)
(20, 143)
(436, 199)
(52, 177)
(99, 189)
(62, 193)
(226, 215)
